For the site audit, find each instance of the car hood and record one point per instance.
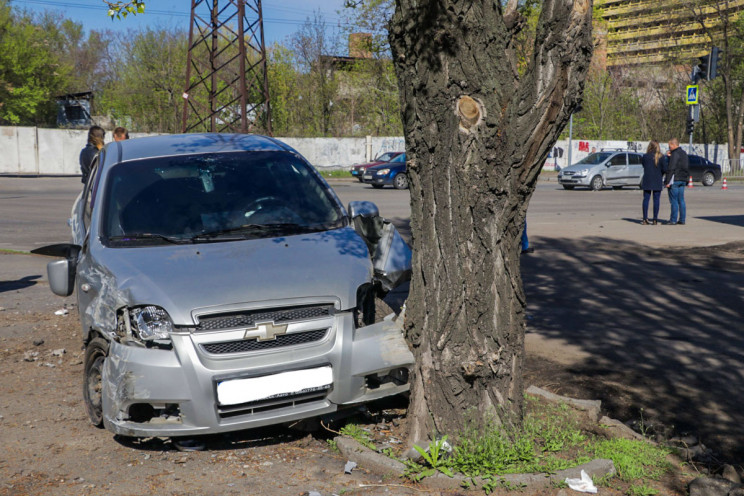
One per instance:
(369, 164)
(329, 265)
(387, 165)
(578, 167)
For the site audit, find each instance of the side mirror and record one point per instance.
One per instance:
(61, 273)
(363, 209)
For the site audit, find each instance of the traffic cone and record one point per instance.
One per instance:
(724, 185)
(689, 183)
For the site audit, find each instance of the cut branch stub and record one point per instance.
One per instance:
(469, 111)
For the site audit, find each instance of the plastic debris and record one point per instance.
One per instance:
(30, 356)
(58, 352)
(313, 493)
(349, 467)
(583, 485)
(61, 312)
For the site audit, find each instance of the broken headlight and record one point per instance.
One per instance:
(150, 323)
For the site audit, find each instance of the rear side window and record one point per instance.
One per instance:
(698, 161)
(634, 159)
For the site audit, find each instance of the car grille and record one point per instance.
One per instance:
(247, 345)
(271, 404)
(250, 318)
(568, 173)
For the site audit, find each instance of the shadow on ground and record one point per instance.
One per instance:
(22, 283)
(655, 329)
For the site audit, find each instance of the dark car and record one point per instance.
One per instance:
(704, 171)
(393, 172)
(358, 170)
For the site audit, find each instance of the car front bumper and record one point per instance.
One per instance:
(374, 179)
(180, 392)
(573, 180)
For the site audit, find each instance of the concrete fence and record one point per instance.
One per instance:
(31, 150)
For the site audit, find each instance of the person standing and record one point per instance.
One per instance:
(678, 171)
(96, 134)
(121, 134)
(652, 182)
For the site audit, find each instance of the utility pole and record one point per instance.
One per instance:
(226, 80)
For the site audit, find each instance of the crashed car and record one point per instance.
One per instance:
(221, 286)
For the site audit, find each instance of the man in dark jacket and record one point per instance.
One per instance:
(678, 171)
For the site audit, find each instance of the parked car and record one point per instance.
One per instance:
(221, 285)
(358, 170)
(393, 172)
(704, 171)
(615, 168)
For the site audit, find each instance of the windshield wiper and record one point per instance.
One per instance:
(150, 236)
(286, 228)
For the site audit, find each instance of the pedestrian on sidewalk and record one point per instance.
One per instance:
(96, 134)
(652, 182)
(678, 171)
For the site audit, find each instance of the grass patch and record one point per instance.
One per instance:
(335, 173)
(14, 252)
(358, 434)
(551, 439)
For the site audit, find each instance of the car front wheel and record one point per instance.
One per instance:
(95, 356)
(568, 186)
(708, 179)
(377, 186)
(596, 183)
(400, 181)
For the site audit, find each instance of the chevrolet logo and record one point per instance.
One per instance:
(265, 331)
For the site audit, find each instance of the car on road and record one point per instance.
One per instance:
(221, 285)
(358, 170)
(607, 168)
(392, 173)
(703, 170)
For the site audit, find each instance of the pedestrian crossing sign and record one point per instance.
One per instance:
(693, 92)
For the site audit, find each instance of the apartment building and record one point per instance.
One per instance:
(645, 32)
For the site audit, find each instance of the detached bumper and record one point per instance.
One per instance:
(154, 392)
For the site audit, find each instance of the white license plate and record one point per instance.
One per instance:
(367, 177)
(237, 391)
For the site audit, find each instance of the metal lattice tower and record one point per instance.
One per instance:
(226, 81)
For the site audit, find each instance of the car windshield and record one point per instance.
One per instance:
(385, 157)
(399, 159)
(215, 197)
(594, 158)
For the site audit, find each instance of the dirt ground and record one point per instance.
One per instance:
(634, 353)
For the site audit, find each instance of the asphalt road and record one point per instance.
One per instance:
(642, 317)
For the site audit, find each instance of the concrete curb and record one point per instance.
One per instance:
(382, 465)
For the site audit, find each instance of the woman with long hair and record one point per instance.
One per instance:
(652, 183)
(96, 134)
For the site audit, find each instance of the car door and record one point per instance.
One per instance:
(697, 167)
(617, 169)
(635, 169)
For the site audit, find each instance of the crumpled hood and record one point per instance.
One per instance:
(181, 278)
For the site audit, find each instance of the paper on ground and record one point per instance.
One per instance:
(583, 485)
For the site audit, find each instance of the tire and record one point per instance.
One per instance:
(400, 181)
(360, 179)
(95, 356)
(377, 186)
(597, 183)
(568, 186)
(708, 179)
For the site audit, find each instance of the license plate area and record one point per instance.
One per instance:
(268, 387)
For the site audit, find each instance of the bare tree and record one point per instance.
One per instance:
(478, 126)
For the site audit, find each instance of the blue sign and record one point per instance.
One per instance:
(693, 93)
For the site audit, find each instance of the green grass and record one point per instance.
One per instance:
(550, 439)
(336, 173)
(358, 434)
(14, 252)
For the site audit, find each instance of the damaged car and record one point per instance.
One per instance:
(221, 285)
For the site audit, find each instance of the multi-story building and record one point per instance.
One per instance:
(642, 32)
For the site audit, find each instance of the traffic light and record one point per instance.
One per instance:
(690, 125)
(715, 58)
(703, 67)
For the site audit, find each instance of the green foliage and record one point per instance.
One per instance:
(642, 490)
(121, 10)
(30, 71)
(358, 434)
(633, 459)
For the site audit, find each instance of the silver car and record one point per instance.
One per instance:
(606, 168)
(222, 286)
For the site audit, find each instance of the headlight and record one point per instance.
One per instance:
(583, 172)
(382, 172)
(150, 323)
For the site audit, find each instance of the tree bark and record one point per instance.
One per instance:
(477, 134)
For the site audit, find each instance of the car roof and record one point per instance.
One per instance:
(190, 144)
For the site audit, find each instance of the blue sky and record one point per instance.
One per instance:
(281, 17)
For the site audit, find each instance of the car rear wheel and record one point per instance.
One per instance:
(400, 181)
(708, 179)
(377, 186)
(95, 356)
(568, 186)
(596, 183)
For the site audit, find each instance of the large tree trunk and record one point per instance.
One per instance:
(477, 133)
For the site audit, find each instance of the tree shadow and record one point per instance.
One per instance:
(658, 330)
(732, 220)
(22, 283)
